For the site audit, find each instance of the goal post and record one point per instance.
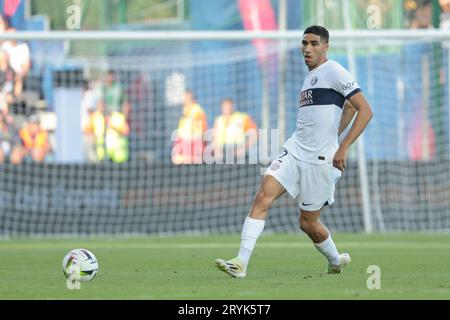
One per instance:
(362, 164)
(398, 179)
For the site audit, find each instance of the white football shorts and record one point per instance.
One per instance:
(313, 184)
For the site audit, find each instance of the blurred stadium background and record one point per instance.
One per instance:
(92, 91)
(66, 182)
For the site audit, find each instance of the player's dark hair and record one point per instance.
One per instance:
(320, 31)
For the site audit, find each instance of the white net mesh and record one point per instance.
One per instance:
(86, 186)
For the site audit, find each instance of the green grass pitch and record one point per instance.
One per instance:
(413, 266)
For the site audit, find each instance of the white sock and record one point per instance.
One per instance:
(251, 230)
(328, 249)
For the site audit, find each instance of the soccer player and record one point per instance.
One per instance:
(311, 160)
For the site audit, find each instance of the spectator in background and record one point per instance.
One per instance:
(4, 26)
(114, 95)
(445, 14)
(144, 124)
(419, 129)
(409, 9)
(108, 125)
(4, 23)
(188, 145)
(96, 128)
(421, 143)
(116, 141)
(19, 56)
(234, 133)
(35, 141)
(9, 138)
(88, 105)
(422, 15)
(109, 134)
(10, 85)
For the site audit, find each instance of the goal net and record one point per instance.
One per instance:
(103, 177)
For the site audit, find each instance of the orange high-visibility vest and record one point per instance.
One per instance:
(232, 129)
(192, 125)
(40, 140)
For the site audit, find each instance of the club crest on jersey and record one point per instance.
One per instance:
(313, 81)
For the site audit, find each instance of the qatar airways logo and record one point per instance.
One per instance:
(306, 98)
(348, 85)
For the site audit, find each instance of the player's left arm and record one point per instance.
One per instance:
(348, 113)
(359, 102)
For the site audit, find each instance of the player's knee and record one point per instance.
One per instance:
(304, 226)
(263, 199)
(260, 206)
(307, 225)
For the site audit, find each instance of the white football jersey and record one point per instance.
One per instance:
(322, 98)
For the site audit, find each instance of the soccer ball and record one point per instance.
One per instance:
(82, 261)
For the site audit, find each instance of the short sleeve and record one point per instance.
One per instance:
(343, 82)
